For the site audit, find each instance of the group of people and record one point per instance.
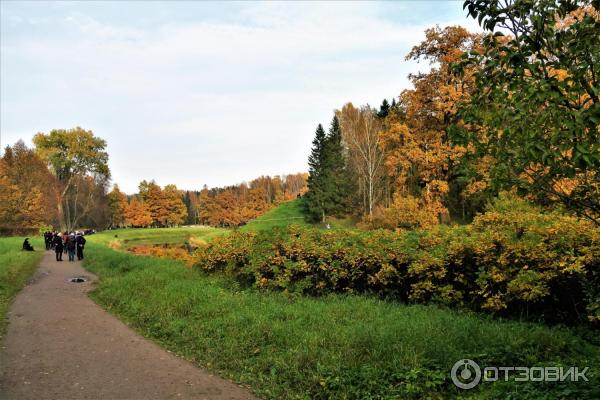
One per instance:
(71, 243)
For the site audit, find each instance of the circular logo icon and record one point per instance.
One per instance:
(466, 374)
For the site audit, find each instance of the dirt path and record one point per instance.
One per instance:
(61, 345)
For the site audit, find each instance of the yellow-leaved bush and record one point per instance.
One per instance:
(514, 260)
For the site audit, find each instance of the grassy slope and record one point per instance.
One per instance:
(335, 347)
(291, 213)
(16, 267)
(285, 214)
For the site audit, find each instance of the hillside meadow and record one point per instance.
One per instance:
(287, 213)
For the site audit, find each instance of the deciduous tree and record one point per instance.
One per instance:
(71, 154)
(538, 98)
(117, 201)
(137, 214)
(419, 156)
(28, 192)
(360, 131)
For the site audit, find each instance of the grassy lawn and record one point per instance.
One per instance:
(142, 236)
(281, 216)
(290, 347)
(16, 267)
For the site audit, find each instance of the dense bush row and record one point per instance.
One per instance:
(514, 260)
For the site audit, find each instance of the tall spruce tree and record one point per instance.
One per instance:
(315, 198)
(384, 109)
(190, 220)
(328, 186)
(336, 182)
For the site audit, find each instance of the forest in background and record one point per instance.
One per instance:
(63, 182)
(514, 109)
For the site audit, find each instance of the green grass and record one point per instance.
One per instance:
(291, 212)
(283, 215)
(343, 223)
(289, 347)
(16, 267)
(144, 236)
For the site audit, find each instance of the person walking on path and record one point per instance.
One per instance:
(52, 237)
(65, 239)
(58, 247)
(71, 246)
(47, 239)
(80, 243)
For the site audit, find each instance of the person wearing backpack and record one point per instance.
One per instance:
(71, 247)
(58, 247)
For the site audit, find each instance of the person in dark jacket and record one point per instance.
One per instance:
(65, 239)
(47, 239)
(27, 246)
(52, 236)
(58, 247)
(80, 244)
(71, 247)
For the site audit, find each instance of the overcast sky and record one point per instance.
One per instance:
(197, 93)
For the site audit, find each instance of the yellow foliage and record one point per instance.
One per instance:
(173, 252)
(410, 212)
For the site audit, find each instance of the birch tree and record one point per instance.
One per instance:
(360, 133)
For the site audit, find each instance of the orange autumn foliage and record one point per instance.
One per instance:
(137, 214)
(173, 252)
(419, 156)
(235, 205)
(28, 193)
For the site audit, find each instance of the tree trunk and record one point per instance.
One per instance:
(370, 197)
(61, 216)
(61, 211)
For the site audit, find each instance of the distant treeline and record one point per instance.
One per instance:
(225, 207)
(62, 183)
(235, 205)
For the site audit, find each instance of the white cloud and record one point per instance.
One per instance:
(203, 101)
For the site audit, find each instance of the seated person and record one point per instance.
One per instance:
(27, 246)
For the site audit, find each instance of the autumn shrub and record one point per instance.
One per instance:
(406, 212)
(174, 252)
(514, 260)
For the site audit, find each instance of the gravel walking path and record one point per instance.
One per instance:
(62, 345)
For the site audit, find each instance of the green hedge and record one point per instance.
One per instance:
(514, 260)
